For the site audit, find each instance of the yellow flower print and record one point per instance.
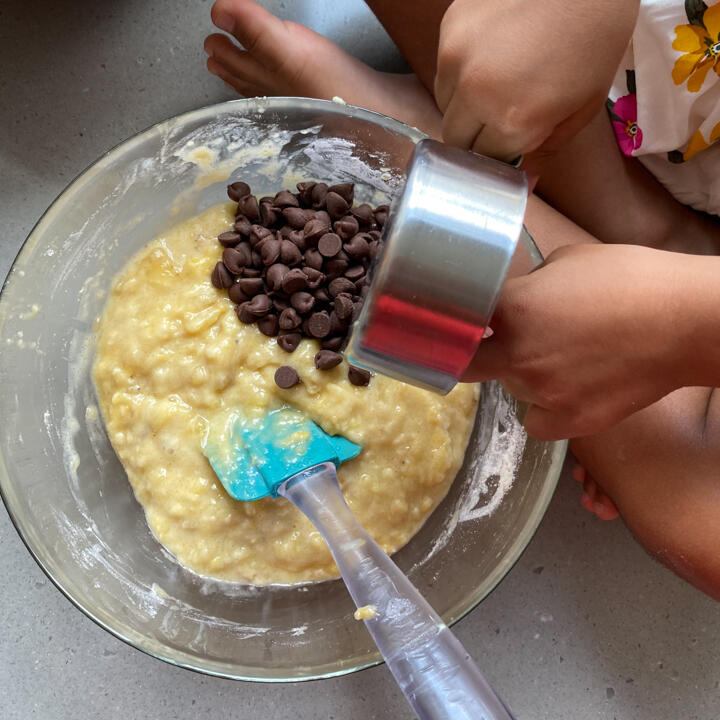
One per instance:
(698, 143)
(701, 46)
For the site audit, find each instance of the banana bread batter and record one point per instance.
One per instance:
(172, 356)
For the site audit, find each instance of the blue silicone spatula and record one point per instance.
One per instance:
(285, 453)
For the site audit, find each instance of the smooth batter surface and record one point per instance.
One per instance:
(172, 356)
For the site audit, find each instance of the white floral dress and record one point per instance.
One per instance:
(665, 100)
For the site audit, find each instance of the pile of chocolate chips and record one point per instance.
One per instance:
(296, 263)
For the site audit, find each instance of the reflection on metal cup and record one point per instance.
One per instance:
(449, 242)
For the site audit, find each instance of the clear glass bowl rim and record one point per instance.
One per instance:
(335, 669)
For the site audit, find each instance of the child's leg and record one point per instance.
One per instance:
(661, 466)
(415, 28)
(590, 175)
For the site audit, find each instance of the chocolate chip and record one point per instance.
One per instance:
(313, 258)
(355, 272)
(289, 253)
(295, 217)
(236, 294)
(364, 215)
(286, 377)
(270, 251)
(376, 247)
(332, 343)
(235, 260)
(314, 229)
(357, 247)
(248, 206)
(321, 295)
(337, 206)
(337, 325)
(289, 340)
(327, 359)
(285, 199)
(244, 314)
(280, 303)
(341, 285)
(319, 193)
(336, 267)
(305, 190)
(297, 238)
(238, 190)
(268, 215)
(251, 286)
(289, 319)
(251, 272)
(260, 305)
(268, 325)
(302, 301)
(329, 245)
(257, 259)
(229, 239)
(275, 274)
(294, 281)
(345, 190)
(314, 278)
(319, 324)
(221, 277)
(346, 227)
(343, 306)
(358, 376)
(381, 213)
(257, 234)
(242, 225)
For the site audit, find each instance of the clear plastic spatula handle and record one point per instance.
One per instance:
(432, 668)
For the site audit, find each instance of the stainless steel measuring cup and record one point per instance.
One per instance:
(450, 239)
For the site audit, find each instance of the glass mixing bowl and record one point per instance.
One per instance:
(67, 493)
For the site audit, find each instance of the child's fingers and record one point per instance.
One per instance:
(488, 362)
(459, 126)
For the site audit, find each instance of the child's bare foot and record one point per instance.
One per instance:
(285, 58)
(594, 498)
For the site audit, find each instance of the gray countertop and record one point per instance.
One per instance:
(585, 625)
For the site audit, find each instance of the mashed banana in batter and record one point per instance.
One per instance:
(172, 356)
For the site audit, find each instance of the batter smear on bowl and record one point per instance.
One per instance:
(173, 358)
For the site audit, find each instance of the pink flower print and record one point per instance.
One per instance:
(629, 135)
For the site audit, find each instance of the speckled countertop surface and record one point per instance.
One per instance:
(585, 625)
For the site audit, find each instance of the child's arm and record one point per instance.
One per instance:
(601, 331)
(515, 76)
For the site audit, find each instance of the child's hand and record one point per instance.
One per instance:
(601, 331)
(517, 75)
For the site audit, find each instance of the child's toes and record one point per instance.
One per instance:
(588, 495)
(261, 33)
(595, 500)
(579, 473)
(236, 66)
(239, 85)
(604, 507)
